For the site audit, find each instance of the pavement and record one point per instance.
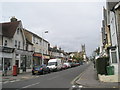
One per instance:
(21, 76)
(89, 79)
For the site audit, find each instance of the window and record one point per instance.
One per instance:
(18, 30)
(19, 44)
(114, 56)
(5, 44)
(33, 39)
(40, 41)
(40, 50)
(34, 49)
(15, 43)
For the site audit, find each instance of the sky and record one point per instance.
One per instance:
(69, 24)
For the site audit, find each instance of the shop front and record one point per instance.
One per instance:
(37, 59)
(46, 59)
(6, 60)
(23, 60)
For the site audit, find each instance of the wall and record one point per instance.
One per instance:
(114, 41)
(118, 28)
(113, 29)
(9, 42)
(0, 40)
(38, 45)
(19, 37)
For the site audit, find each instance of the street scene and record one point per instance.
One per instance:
(60, 45)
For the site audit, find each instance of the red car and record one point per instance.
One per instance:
(64, 66)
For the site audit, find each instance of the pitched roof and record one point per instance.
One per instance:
(9, 28)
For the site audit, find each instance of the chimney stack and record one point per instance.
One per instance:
(13, 19)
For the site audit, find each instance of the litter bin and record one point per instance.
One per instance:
(110, 70)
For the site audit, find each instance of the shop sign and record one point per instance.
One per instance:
(37, 55)
(46, 57)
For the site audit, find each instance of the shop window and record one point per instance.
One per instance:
(114, 56)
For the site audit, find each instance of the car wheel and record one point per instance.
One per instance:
(43, 72)
(49, 71)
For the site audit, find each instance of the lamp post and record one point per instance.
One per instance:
(43, 46)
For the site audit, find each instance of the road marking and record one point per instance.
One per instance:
(80, 86)
(37, 76)
(5, 82)
(73, 86)
(12, 81)
(31, 85)
(53, 78)
(17, 80)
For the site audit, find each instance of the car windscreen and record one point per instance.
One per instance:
(37, 67)
(52, 63)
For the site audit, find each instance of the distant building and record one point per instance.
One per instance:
(84, 52)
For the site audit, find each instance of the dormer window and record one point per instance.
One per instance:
(5, 44)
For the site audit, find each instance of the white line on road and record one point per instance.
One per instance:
(31, 85)
(12, 81)
(18, 80)
(5, 82)
(37, 76)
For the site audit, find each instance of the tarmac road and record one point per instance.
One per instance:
(60, 79)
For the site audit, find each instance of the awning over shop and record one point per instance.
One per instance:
(46, 57)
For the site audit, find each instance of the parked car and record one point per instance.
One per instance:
(77, 64)
(42, 69)
(67, 64)
(72, 64)
(64, 66)
(55, 64)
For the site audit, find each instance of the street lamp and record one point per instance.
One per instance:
(42, 46)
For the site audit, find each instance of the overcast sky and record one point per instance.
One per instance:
(70, 24)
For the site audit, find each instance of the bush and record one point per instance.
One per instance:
(101, 65)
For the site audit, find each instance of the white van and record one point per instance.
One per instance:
(55, 64)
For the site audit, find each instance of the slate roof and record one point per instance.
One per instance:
(9, 28)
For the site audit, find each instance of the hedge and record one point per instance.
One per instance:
(101, 65)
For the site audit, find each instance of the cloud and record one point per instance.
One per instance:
(69, 24)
